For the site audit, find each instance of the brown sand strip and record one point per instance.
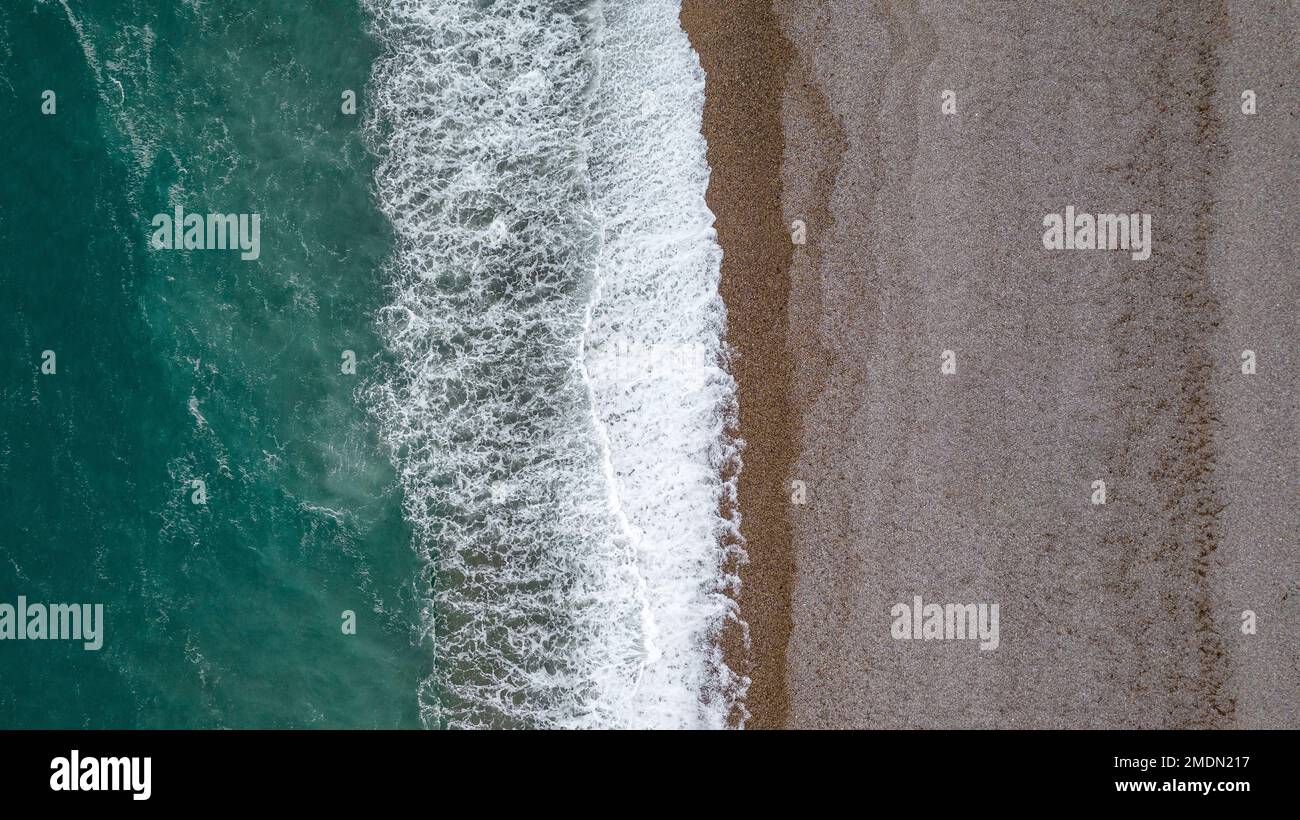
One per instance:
(745, 58)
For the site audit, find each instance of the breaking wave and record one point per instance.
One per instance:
(555, 392)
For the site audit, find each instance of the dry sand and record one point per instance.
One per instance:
(925, 235)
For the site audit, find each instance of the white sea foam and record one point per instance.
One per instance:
(143, 147)
(555, 396)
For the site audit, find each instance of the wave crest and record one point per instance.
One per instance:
(544, 173)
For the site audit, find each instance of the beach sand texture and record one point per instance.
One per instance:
(924, 235)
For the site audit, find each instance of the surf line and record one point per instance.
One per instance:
(631, 534)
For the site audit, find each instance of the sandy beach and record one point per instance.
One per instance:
(924, 235)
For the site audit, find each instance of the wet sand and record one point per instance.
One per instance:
(924, 235)
(745, 57)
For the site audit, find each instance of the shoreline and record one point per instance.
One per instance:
(745, 57)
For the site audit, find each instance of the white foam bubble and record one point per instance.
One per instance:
(543, 169)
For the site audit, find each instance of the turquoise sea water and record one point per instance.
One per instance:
(173, 366)
(519, 491)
